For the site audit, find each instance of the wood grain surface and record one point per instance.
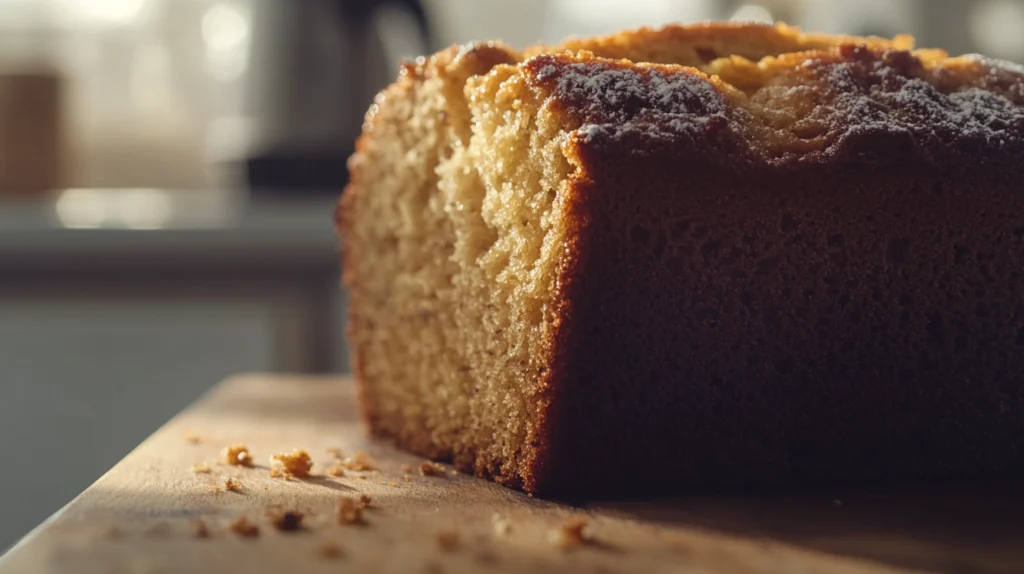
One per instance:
(141, 516)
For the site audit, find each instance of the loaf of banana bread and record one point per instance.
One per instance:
(721, 255)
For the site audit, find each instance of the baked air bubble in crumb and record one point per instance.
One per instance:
(350, 510)
(237, 455)
(296, 463)
(359, 461)
(200, 468)
(243, 527)
(431, 468)
(287, 520)
(570, 534)
(232, 484)
(448, 540)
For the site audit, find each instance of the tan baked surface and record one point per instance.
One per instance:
(142, 515)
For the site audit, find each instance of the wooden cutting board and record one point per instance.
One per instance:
(140, 517)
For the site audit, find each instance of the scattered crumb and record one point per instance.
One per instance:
(287, 520)
(430, 468)
(837, 502)
(296, 463)
(406, 468)
(448, 540)
(200, 468)
(393, 484)
(336, 469)
(193, 438)
(199, 529)
(486, 557)
(330, 550)
(360, 461)
(244, 528)
(502, 527)
(682, 547)
(364, 501)
(570, 534)
(233, 484)
(280, 473)
(335, 452)
(237, 455)
(350, 510)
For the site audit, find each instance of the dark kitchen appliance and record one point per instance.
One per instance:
(315, 68)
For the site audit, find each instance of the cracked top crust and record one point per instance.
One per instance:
(763, 94)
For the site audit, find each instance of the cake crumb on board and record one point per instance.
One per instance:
(350, 510)
(243, 527)
(286, 520)
(200, 468)
(200, 530)
(570, 534)
(431, 468)
(359, 462)
(502, 526)
(336, 469)
(296, 463)
(330, 550)
(448, 540)
(232, 484)
(280, 473)
(237, 455)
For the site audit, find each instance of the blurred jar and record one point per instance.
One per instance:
(32, 122)
(153, 88)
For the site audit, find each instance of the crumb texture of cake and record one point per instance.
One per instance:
(725, 253)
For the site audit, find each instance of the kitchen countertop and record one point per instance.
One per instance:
(142, 516)
(96, 228)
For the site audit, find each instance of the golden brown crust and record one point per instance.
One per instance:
(706, 42)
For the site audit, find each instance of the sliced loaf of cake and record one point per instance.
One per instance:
(715, 255)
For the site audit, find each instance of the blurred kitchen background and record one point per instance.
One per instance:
(168, 170)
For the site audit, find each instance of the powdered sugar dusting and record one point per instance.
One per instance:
(877, 96)
(862, 105)
(613, 98)
(995, 64)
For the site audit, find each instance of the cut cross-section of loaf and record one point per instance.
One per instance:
(707, 255)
